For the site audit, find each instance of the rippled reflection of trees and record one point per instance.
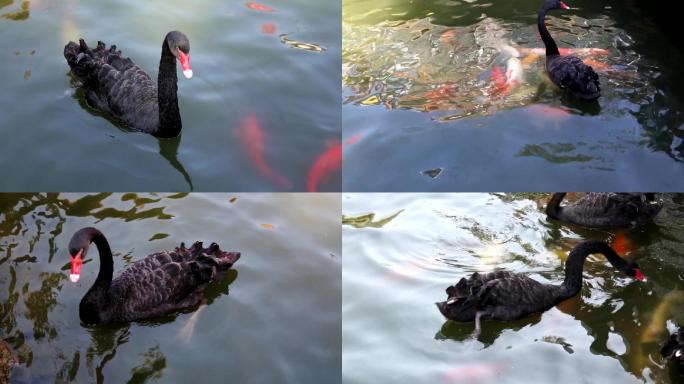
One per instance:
(22, 13)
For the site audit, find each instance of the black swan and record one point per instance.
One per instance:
(674, 348)
(567, 72)
(117, 86)
(159, 284)
(606, 210)
(505, 295)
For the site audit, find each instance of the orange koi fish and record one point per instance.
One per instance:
(259, 7)
(326, 163)
(596, 65)
(354, 139)
(252, 137)
(621, 244)
(566, 51)
(548, 111)
(268, 28)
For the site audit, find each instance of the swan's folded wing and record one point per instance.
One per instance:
(570, 73)
(120, 87)
(168, 281)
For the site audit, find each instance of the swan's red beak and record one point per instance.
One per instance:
(639, 276)
(564, 6)
(185, 64)
(76, 264)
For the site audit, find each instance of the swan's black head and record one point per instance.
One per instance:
(632, 270)
(555, 4)
(179, 45)
(78, 249)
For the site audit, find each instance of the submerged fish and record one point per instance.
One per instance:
(657, 326)
(354, 139)
(467, 373)
(597, 65)
(252, 137)
(326, 163)
(548, 111)
(621, 244)
(268, 28)
(259, 7)
(565, 51)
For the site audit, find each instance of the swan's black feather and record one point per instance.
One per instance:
(567, 72)
(501, 295)
(115, 85)
(159, 284)
(606, 210)
(508, 296)
(572, 75)
(166, 281)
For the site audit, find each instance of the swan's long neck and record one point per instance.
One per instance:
(96, 299)
(575, 264)
(553, 208)
(167, 88)
(551, 48)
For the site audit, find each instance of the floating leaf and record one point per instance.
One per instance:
(432, 173)
(159, 236)
(366, 220)
(268, 226)
(300, 44)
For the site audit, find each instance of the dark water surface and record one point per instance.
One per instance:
(394, 271)
(425, 110)
(274, 318)
(277, 70)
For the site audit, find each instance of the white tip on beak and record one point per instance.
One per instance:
(74, 277)
(187, 73)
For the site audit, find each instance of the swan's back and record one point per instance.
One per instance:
(500, 295)
(115, 84)
(571, 74)
(165, 282)
(612, 210)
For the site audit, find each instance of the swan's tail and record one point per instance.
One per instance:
(85, 61)
(213, 256)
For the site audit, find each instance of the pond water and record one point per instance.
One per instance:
(261, 109)
(425, 99)
(274, 318)
(396, 268)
